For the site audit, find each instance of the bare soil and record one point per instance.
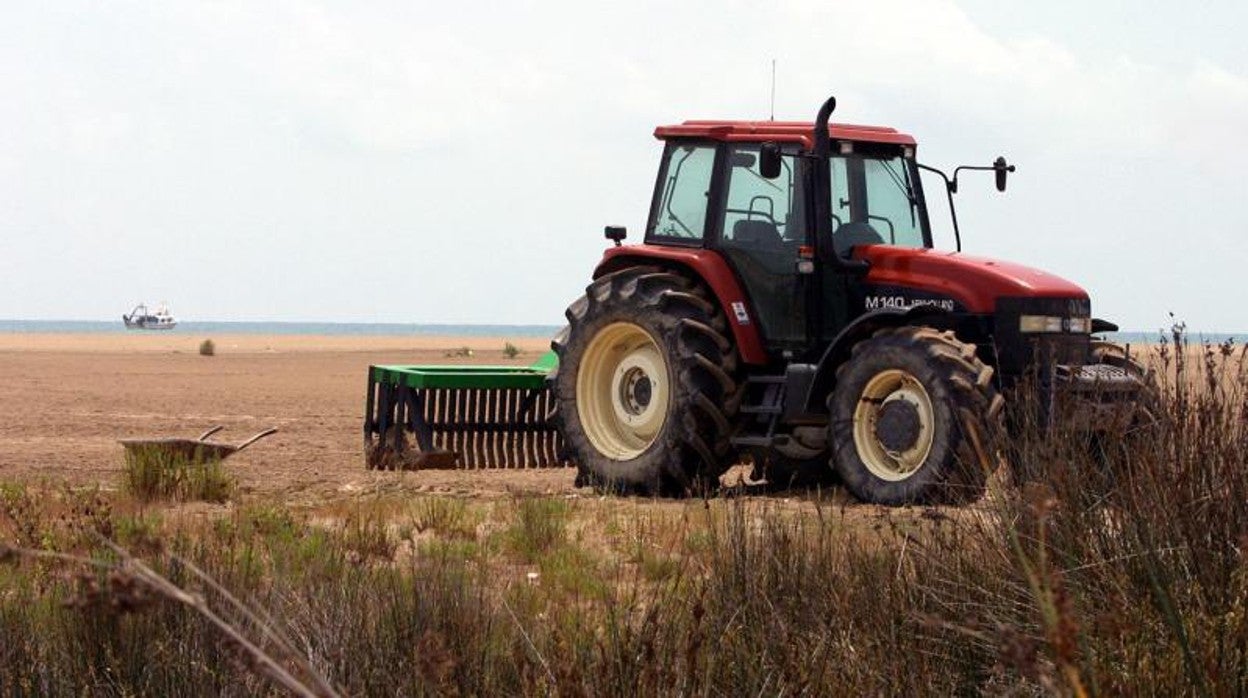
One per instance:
(65, 400)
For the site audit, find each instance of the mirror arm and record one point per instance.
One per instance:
(977, 168)
(995, 167)
(951, 186)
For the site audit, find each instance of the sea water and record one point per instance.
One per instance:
(396, 329)
(199, 327)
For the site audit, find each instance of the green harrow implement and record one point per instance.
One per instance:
(461, 416)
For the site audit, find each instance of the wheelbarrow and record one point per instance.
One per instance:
(191, 450)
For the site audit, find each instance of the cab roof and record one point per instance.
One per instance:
(780, 131)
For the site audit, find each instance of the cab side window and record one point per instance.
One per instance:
(873, 203)
(890, 205)
(761, 211)
(685, 186)
(840, 193)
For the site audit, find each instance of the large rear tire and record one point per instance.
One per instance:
(645, 385)
(914, 418)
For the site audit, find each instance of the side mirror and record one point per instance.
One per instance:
(1002, 169)
(615, 233)
(769, 160)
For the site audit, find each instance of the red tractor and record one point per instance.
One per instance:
(787, 303)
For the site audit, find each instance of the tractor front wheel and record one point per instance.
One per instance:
(914, 416)
(645, 386)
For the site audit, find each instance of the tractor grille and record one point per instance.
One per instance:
(1017, 352)
(1103, 380)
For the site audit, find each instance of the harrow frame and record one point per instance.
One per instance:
(461, 416)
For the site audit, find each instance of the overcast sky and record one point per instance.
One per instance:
(456, 162)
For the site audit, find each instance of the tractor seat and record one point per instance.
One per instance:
(756, 233)
(852, 234)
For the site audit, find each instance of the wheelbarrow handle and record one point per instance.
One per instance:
(210, 432)
(257, 437)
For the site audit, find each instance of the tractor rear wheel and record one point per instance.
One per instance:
(645, 387)
(914, 417)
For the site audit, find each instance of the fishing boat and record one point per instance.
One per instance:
(141, 319)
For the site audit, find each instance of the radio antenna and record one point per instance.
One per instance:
(773, 89)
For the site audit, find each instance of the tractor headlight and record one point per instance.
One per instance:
(1081, 325)
(1039, 323)
(1029, 324)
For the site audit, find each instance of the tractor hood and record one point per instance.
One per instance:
(974, 282)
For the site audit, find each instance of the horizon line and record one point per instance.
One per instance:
(1161, 331)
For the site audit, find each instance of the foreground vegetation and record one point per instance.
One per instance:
(1117, 568)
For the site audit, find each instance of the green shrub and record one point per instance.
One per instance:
(510, 350)
(540, 526)
(153, 472)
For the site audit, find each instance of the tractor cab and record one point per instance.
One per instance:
(826, 227)
(747, 190)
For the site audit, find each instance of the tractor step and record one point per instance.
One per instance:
(764, 398)
(461, 417)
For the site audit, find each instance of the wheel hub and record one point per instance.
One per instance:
(897, 425)
(636, 391)
(894, 425)
(622, 390)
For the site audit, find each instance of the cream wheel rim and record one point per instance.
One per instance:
(893, 464)
(622, 391)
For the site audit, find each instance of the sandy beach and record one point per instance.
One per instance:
(176, 342)
(65, 400)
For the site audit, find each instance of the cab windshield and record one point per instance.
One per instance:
(874, 201)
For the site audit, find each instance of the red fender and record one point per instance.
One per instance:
(711, 268)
